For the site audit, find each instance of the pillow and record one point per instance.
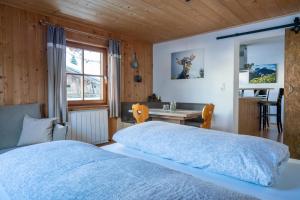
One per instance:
(247, 158)
(36, 131)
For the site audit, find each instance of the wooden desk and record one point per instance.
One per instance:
(178, 116)
(249, 116)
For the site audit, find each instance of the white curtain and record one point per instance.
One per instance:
(114, 64)
(56, 52)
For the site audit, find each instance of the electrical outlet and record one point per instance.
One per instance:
(223, 87)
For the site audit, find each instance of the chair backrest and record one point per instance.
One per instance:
(207, 114)
(262, 93)
(280, 95)
(140, 112)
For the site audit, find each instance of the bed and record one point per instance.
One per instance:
(129, 170)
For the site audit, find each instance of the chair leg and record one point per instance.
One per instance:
(278, 127)
(264, 118)
(267, 116)
(260, 118)
(279, 118)
(279, 124)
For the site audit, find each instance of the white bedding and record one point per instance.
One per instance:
(287, 187)
(72, 170)
(252, 159)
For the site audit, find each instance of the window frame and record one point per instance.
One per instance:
(83, 102)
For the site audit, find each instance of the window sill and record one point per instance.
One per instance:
(86, 107)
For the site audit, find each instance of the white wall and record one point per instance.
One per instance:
(270, 52)
(217, 81)
(220, 84)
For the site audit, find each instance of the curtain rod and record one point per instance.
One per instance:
(295, 25)
(46, 23)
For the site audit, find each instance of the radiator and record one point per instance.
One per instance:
(89, 126)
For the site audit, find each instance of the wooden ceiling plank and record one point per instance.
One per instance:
(125, 21)
(180, 13)
(149, 13)
(107, 20)
(207, 15)
(288, 6)
(160, 20)
(138, 14)
(270, 7)
(33, 5)
(229, 16)
(236, 8)
(254, 8)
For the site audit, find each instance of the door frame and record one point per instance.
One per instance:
(237, 42)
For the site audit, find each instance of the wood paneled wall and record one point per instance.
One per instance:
(291, 132)
(23, 61)
(22, 58)
(132, 91)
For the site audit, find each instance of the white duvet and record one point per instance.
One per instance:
(247, 158)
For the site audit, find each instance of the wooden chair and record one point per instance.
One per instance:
(140, 112)
(207, 114)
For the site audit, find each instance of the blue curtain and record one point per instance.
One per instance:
(56, 53)
(114, 65)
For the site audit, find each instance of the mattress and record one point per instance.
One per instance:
(287, 186)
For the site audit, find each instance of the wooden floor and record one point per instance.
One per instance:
(104, 144)
(272, 133)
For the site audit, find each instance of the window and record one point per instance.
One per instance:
(86, 74)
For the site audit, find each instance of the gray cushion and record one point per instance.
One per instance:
(60, 132)
(36, 130)
(11, 122)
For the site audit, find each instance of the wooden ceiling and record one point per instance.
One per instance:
(160, 20)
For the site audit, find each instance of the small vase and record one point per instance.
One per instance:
(173, 106)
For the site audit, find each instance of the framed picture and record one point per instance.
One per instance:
(187, 64)
(264, 73)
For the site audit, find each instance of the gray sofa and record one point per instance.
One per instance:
(11, 123)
